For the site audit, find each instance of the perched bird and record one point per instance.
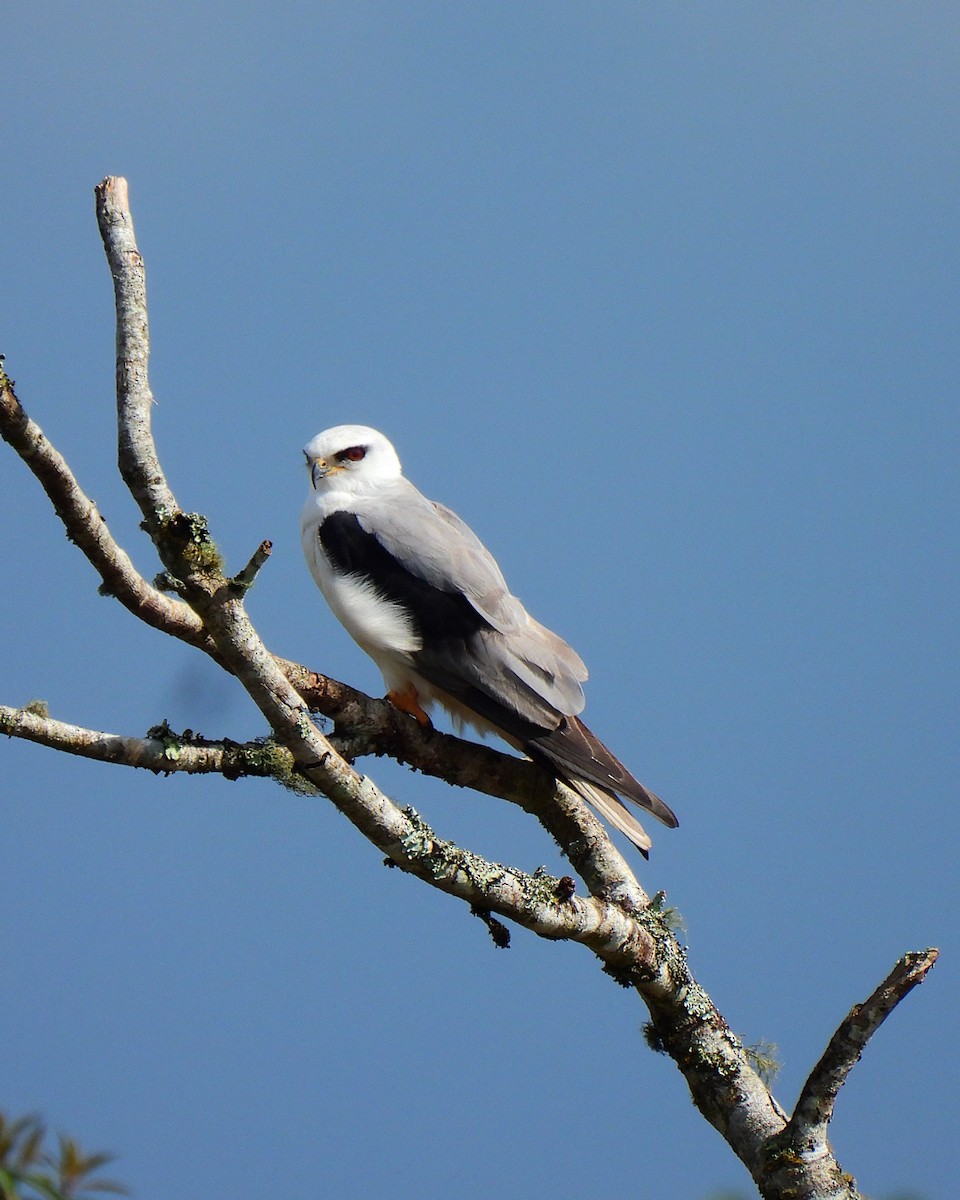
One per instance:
(419, 592)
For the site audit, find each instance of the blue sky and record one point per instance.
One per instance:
(663, 300)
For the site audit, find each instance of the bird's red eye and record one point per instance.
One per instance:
(352, 454)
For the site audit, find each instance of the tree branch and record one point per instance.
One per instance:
(161, 751)
(244, 579)
(137, 455)
(87, 528)
(628, 933)
(363, 726)
(814, 1110)
(689, 1025)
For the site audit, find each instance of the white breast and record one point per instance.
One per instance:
(379, 626)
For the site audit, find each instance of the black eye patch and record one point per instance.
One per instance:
(351, 454)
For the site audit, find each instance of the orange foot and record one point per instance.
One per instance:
(407, 701)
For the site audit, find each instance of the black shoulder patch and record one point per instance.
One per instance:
(436, 613)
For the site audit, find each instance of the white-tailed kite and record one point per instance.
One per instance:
(418, 591)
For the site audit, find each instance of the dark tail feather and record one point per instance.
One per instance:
(614, 812)
(579, 756)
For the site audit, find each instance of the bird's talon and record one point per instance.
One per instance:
(407, 702)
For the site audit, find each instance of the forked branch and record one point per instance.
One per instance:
(629, 934)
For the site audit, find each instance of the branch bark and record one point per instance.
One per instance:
(629, 934)
(162, 751)
(87, 528)
(814, 1109)
(137, 455)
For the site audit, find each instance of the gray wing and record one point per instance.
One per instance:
(481, 646)
(507, 655)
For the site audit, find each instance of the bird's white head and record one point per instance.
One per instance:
(350, 458)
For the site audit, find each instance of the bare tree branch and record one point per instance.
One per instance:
(87, 528)
(628, 933)
(191, 557)
(814, 1110)
(185, 548)
(363, 725)
(244, 579)
(137, 457)
(161, 751)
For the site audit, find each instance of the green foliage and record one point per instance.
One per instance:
(28, 1171)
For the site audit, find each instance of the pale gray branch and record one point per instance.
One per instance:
(814, 1110)
(244, 579)
(138, 461)
(535, 901)
(165, 753)
(204, 586)
(87, 528)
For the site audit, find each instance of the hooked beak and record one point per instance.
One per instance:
(318, 470)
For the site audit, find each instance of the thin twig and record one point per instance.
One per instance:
(814, 1110)
(244, 579)
(535, 901)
